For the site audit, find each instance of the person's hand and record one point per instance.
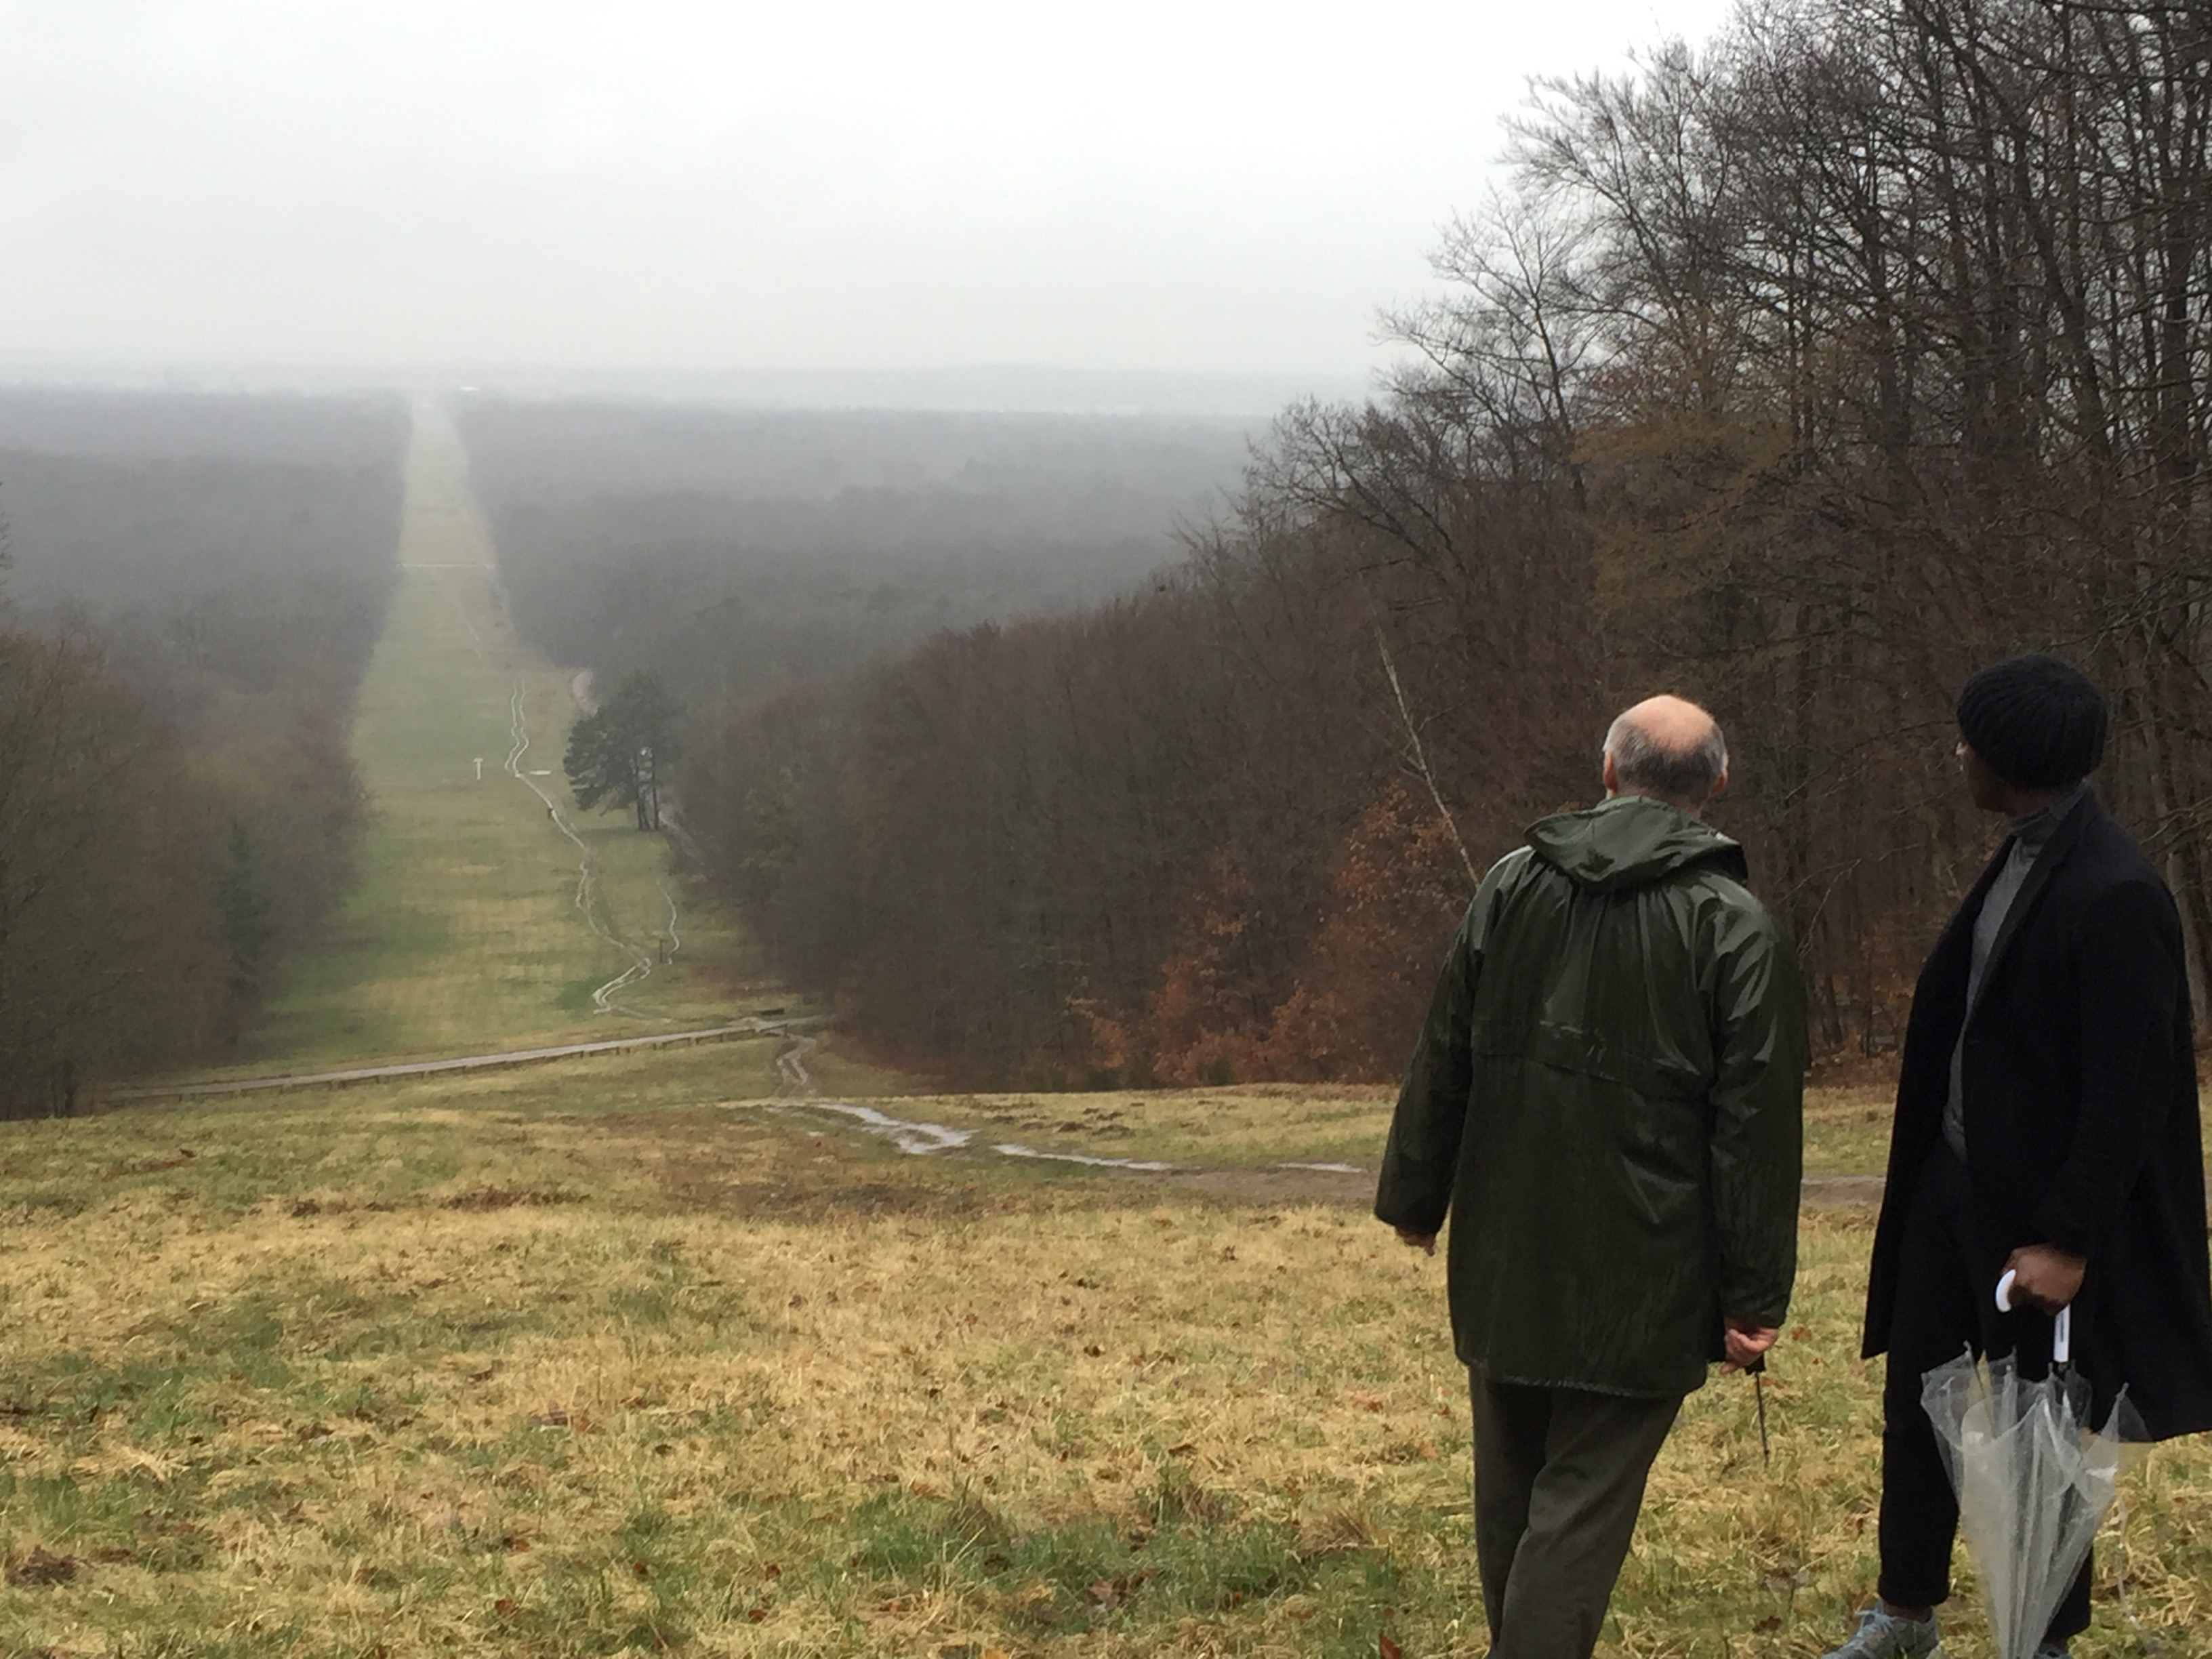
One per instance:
(1425, 1243)
(2044, 1277)
(1745, 1342)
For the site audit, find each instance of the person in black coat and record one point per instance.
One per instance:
(2046, 1123)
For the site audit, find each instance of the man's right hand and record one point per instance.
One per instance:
(1425, 1243)
(1745, 1342)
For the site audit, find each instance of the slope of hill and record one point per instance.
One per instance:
(626, 1354)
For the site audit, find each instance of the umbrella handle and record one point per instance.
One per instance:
(2061, 1329)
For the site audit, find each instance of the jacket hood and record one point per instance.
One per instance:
(1630, 840)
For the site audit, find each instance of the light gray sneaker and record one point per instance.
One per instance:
(1885, 1635)
(2052, 1651)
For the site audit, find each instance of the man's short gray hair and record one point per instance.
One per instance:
(1643, 767)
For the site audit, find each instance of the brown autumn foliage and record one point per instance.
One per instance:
(110, 953)
(1801, 374)
(1397, 894)
(149, 884)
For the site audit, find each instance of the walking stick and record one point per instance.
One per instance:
(1757, 1370)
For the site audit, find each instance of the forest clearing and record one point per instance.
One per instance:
(489, 910)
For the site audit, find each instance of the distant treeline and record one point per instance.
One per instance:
(192, 588)
(1801, 374)
(737, 553)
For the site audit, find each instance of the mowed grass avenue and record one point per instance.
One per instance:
(464, 934)
(625, 1355)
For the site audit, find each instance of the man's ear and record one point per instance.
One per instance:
(1719, 784)
(1611, 778)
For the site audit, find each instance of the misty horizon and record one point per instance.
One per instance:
(853, 204)
(959, 388)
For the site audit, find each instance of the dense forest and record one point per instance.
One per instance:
(739, 552)
(191, 589)
(1801, 374)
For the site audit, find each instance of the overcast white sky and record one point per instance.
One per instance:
(1212, 185)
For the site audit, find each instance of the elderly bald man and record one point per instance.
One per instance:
(1607, 1099)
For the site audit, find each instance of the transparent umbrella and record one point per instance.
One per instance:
(2035, 1477)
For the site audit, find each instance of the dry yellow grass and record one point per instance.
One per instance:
(590, 1358)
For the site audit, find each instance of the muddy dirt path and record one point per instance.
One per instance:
(1287, 1181)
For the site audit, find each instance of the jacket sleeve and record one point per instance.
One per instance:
(1422, 1155)
(2127, 961)
(1758, 1154)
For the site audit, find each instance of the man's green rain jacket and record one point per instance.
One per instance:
(1608, 1096)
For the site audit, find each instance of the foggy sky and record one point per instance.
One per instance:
(407, 187)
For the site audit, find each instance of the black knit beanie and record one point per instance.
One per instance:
(2038, 722)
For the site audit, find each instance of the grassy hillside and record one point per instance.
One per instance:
(465, 932)
(624, 1355)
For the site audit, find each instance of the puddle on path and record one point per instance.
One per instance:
(920, 1139)
(1010, 1149)
(915, 1138)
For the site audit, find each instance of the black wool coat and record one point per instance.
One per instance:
(2080, 1084)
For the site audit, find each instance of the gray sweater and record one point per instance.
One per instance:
(2030, 835)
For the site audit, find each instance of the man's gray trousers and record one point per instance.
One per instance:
(1559, 1478)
